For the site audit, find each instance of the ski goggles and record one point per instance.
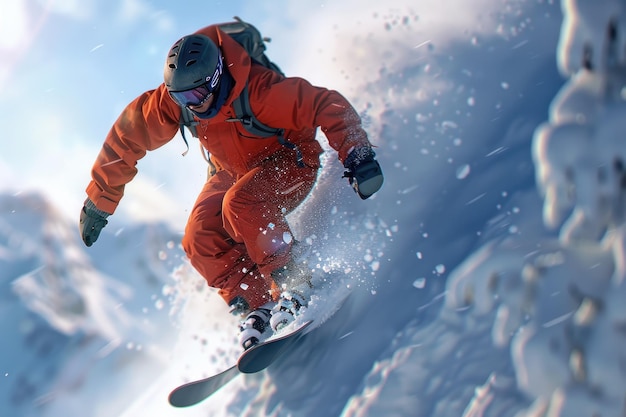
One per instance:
(198, 96)
(193, 98)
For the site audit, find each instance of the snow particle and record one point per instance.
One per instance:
(419, 283)
(243, 286)
(463, 171)
(449, 124)
(168, 290)
(440, 269)
(421, 118)
(419, 255)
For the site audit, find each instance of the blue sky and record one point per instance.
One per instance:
(73, 65)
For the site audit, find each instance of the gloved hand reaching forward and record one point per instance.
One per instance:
(92, 220)
(363, 172)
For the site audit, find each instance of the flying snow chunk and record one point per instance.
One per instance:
(419, 283)
(463, 171)
(287, 238)
(449, 124)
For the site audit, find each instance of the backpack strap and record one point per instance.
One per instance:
(244, 115)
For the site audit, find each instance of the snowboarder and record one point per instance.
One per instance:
(237, 236)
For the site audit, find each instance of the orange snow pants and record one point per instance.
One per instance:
(237, 234)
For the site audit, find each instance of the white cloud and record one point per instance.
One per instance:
(13, 23)
(148, 201)
(325, 47)
(75, 9)
(132, 10)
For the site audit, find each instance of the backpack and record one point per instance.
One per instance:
(251, 40)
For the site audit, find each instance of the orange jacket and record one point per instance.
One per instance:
(293, 104)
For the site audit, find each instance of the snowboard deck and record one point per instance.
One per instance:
(253, 360)
(262, 355)
(196, 391)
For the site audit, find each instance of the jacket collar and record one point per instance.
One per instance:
(236, 61)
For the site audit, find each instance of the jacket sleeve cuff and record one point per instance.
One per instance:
(91, 206)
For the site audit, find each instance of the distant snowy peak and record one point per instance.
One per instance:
(46, 265)
(70, 309)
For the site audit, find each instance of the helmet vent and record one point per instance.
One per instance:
(188, 60)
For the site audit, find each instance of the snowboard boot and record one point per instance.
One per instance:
(289, 305)
(294, 281)
(253, 326)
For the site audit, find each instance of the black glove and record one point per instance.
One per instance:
(91, 223)
(363, 172)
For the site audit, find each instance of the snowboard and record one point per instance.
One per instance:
(193, 392)
(253, 360)
(262, 355)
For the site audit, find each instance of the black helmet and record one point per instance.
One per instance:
(191, 62)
